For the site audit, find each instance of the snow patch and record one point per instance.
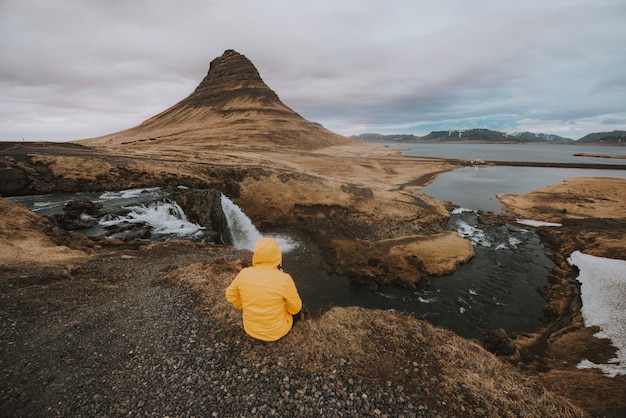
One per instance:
(530, 222)
(457, 211)
(603, 291)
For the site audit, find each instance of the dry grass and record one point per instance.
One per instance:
(28, 239)
(607, 392)
(577, 198)
(438, 368)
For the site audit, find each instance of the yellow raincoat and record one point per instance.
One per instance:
(267, 295)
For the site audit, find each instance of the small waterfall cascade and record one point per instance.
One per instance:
(241, 228)
(244, 233)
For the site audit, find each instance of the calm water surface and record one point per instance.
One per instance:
(477, 187)
(517, 152)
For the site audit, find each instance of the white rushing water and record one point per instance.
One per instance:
(244, 233)
(479, 235)
(164, 218)
(130, 194)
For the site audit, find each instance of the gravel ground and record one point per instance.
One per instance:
(105, 339)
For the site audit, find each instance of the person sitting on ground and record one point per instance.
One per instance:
(267, 295)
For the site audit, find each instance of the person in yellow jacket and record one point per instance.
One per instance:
(267, 295)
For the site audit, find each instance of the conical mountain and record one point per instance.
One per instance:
(232, 106)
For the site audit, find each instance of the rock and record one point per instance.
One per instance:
(204, 207)
(14, 180)
(230, 74)
(498, 342)
(406, 261)
(79, 206)
(364, 192)
(73, 223)
(129, 231)
(73, 216)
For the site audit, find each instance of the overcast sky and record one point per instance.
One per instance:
(73, 69)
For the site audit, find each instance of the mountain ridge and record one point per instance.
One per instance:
(232, 106)
(481, 135)
(613, 137)
(478, 134)
(541, 137)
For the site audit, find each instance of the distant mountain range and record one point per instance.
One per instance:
(487, 135)
(386, 138)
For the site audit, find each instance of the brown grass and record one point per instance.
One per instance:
(577, 198)
(29, 239)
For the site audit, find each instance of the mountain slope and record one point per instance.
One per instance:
(615, 137)
(231, 106)
(540, 137)
(475, 135)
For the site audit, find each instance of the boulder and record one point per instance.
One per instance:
(204, 207)
(13, 180)
(78, 207)
(498, 342)
(78, 214)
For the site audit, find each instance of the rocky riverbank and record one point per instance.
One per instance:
(590, 212)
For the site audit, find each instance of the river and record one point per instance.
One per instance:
(499, 288)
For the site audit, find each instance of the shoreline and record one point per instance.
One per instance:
(486, 142)
(559, 165)
(591, 213)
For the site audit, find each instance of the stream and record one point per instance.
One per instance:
(498, 288)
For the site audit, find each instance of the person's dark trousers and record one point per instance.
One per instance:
(296, 318)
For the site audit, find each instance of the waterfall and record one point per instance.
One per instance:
(241, 228)
(243, 231)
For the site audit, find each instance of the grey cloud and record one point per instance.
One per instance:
(75, 69)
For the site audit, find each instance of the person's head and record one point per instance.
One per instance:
(267, 252)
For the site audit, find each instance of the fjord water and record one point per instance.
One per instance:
(476, 187)
(501, 286)
(535, 152)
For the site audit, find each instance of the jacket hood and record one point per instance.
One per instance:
(267, 252)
